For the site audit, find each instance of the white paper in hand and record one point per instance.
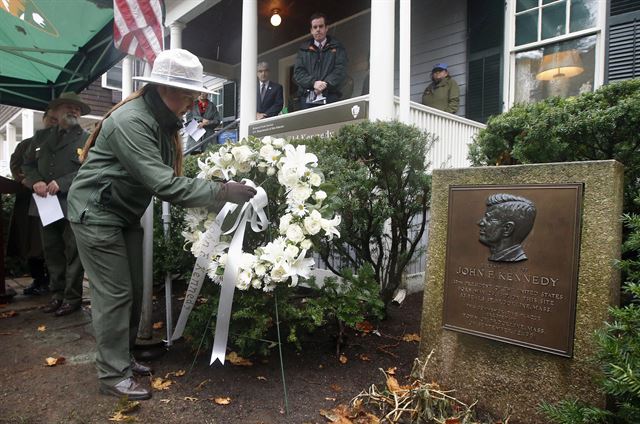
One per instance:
(48, 208)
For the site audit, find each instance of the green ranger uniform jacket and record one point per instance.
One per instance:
(444, 95)
(54, 155)
(328, 65)
(131, 161)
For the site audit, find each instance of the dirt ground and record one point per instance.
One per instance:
(31, 392)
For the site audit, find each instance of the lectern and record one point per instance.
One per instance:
(7, 186)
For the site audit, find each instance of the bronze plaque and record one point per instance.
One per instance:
(512, 264)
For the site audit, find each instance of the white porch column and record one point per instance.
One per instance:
(382, 55)
(176, 34)
(249, 58)
(405, 60)
(27, 124)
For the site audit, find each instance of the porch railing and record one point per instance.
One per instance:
(454, 134)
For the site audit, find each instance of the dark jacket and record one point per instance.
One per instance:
(444, 95)
(273, 101)
(132, 161)
(328, 65)
(52, 156)
(210, 113)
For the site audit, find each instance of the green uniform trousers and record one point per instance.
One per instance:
(63, 262)
(112, 257)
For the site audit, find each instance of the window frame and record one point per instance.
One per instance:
(510, 48)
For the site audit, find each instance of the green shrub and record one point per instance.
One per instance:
(618, 353)
(601, 125)
(379, 173)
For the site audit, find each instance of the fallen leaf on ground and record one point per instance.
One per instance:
(391, 371)
(127, 406)
(222, 400)
(161, 383)
(335, 388)
(42, 328)
(393, 385)
(52, 362)
(202, 384)
(158, 325)
(452, 421)
(178, 373)
(343, 359)
(8, 314)
(330, 398)
(364, 357)
(165, 400)
(235, 359)
(190, 399)
(413, 337)
(122, 418)
(339, 414)
(261, 378)
(364, 326)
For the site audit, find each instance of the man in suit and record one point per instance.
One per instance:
(270, 100)
(50, 164)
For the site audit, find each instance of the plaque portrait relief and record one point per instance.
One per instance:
(512, 263)
(507, 221)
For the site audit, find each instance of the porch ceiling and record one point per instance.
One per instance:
(216, 34)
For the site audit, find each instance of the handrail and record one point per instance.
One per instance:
(205, 141)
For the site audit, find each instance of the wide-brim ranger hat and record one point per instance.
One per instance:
(70, 97)
(176, 68)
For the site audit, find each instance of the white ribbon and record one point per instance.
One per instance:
(252, 212)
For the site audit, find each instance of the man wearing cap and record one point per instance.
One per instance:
(135, 153)
(443, 92)
(50, 165)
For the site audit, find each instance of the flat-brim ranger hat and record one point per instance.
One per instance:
(70, 97)
(176, 68)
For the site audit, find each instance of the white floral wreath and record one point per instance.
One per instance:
(284, 258)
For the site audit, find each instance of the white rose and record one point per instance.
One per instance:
(266, 139)
(320, 195)
(300, 193)
(279, 142)
(242, 153)
(291, 251)
(266, 152)
(306, 244)
(312, 224)
(284, 223)
(279, 272)
(244, 167)
(288, 177)
(271, 171)
(315, 180)
(294, 233)
(260, 270)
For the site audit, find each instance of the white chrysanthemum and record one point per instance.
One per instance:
(244, 280)
(260, 270)
(312, 223)
(294, 233)
(256, 283)
(297, 209)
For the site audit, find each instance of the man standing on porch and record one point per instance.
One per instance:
(443, 92)
(321, 66)
(269, 101)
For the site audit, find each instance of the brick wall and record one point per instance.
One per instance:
(100, 99)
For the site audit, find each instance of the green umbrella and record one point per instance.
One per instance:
(48, 47)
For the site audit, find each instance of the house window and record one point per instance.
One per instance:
(559, 69)
(555, 48)
(539, 20)
(112, 79)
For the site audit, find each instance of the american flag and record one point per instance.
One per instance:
(137, 27)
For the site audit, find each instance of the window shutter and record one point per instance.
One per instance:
(483, 93)
(623, 41)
